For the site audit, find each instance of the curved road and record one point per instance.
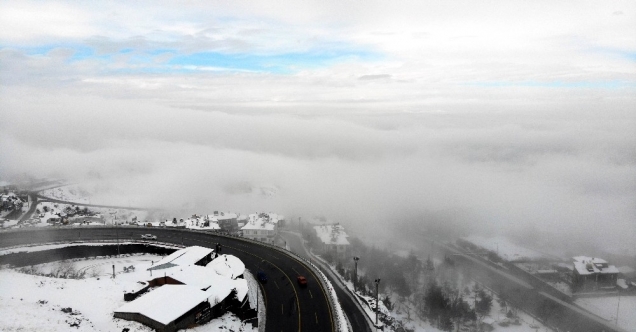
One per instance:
(357, 318)
(289, 306)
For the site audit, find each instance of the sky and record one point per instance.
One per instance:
(499, 116)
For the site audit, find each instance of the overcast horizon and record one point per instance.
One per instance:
(515, 116)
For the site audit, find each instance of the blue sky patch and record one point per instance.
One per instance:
(170, 60)
(277, 63)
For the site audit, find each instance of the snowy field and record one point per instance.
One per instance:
(71, 193)
(606, 307)
(504, 248)
(35, 303)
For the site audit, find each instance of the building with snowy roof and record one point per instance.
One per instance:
(261, 227)
(593, 273)
(193, 255)
(332, 238)
(186, 293)
(227, 221)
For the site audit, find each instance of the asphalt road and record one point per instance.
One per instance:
(356, 317)
(289, 306)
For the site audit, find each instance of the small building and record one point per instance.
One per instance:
(227, 221)
(332, 239)
(260, 227)
(190, 290)
(205, 223)
(50, 218)
(592, 274)
(169, 308)
(194, 255)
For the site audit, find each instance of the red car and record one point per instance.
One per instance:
(301, 281)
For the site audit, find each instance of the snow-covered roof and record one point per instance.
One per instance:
(241, 289)
(227, 265)
(198, 223)
(332, 234)
(166, 303)
(275, 217)
(225, 215)
(586, 259)
(260, 221)
(592, 265)
(169, 302)
(182, 257)
(132, 287)
(49, 215)
(218, 287)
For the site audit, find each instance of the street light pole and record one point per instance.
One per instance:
(355, 275)
(377, 304)
(117, 232)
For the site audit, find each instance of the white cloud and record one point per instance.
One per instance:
(427, 133)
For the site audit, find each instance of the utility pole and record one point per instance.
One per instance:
(117, 232)
(377, 304)
(355, 275)
(618, 306)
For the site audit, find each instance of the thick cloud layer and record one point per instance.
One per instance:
(559, 170)
(395, 119)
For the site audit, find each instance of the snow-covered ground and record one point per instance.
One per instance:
(35, 303)
(405, 312)
(8, 223)
(71, 193)
(504, 248)
(607, 308)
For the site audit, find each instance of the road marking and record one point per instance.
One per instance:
(288, 279)
(316, 314)
(310, 294)
(298, 273)
(275, 283)
(324, 293)
(281, 308)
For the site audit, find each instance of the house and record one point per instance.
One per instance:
(189, 256)
(241, 220)
(50, 218)
(278, 219)
(190, 290)
(592, 274)
(332, 238)
(260, 227)
(208, 223)
(227, 221)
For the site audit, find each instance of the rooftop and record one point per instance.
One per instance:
(260, 221)
(182, 257)
(332, 234)
(592, 265)
(227, 265)
(166, 303)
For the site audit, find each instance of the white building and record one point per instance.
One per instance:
(332, 238)
(261, 227)
(189, 290)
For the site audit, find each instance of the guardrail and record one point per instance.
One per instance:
(338, 323)
(356, 297)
